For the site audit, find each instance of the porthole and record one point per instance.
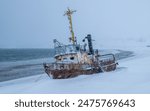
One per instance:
(71, 58)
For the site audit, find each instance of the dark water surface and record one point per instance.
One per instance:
(16, 63)
(13, 55)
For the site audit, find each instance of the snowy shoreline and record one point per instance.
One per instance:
(128, 78)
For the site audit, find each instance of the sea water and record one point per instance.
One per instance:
(16, 63)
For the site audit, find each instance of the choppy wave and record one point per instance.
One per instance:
(16, 63)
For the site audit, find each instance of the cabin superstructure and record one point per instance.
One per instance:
(75, 59)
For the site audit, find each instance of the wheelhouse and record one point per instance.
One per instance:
(67, 53)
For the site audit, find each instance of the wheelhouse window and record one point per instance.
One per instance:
(66, 49)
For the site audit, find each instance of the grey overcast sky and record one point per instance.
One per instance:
(35, 23)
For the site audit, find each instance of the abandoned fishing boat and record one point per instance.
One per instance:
(75, 59)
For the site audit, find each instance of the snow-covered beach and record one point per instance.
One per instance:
(131, 76)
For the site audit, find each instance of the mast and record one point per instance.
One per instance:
(69, 14)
